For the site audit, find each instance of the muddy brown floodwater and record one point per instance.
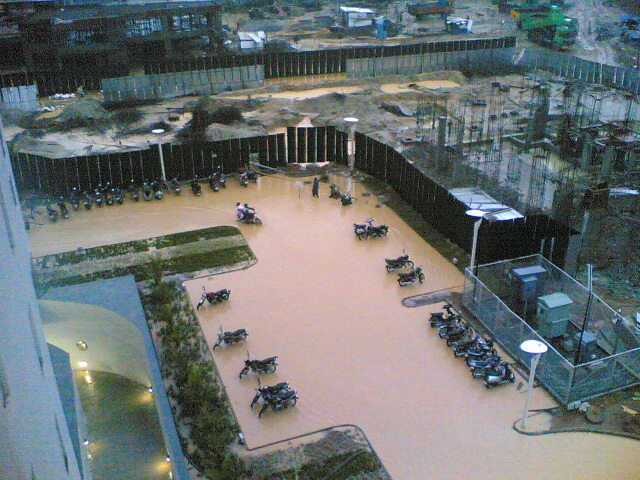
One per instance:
(322, 302)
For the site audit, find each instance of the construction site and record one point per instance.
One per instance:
(525, 110)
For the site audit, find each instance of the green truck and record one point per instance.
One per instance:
(547, 25)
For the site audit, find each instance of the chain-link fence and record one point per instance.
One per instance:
(595, 354)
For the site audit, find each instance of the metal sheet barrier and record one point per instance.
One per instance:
(625, 78)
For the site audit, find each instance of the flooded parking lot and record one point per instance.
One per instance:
(322, 302)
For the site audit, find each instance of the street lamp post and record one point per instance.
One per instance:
(479, 214)
(160, 131)
(536, 348)
(351, 147)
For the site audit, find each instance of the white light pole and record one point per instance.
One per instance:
(351, 146)
(160, 131)
(536, 348)
(479, 214)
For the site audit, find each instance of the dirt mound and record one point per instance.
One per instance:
(217, 131)
(85, 113)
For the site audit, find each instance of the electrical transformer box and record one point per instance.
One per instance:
(553, 314)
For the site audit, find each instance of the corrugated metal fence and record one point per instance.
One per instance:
(537, 233)
(58, 176)
(23, 98)
(196, 74)
(624, 78)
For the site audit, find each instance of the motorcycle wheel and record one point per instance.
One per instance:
(243, 372)
(271, 368)
(390, 269)
(257, 221)
(421, 278)
(217, 344)
(409, 264)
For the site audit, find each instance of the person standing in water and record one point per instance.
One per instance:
(316, 186)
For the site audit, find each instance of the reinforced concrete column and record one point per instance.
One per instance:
(442, 136)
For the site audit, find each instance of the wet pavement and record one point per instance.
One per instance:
(322, 302)
(124, 433)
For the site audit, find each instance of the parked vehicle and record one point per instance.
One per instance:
(394, 264)
(213, 297)
(268, 365)
(175, 186)
(269, 391)
(279, 402)
(405, 279)
(229, 338)
(53, 214)
(195, 186)
(64, 211)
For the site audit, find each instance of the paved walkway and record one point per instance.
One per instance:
(124, 433)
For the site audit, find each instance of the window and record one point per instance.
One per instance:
(4, 385)
(36, 340)
(64, 453)
(5, 217)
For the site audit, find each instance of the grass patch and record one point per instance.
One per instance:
(147, 264)
(194, 236)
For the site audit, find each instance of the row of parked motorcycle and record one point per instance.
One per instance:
(404, 278)
(482, 359)
(275, 397)
(106, 194)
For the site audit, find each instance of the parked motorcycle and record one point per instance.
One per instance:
(244, 179)
(221, 178)
(53, 214)
(158, 191)
(195, 186)
(118, 195)
(147, 192)
(279, 402)
(502, 373)
(98, 198)
(213, 297)
(364, 231)
(87, 200)
(175, 186)
(229, 338)
(74, 199)
(346, 198)
(109, 198)
(213, 183)
(268, 365)
(64, 211)
(334, 191)
(486, 360)
(405, 279)
(438, 319)
(133, 191)
(394, 264)
(269, 391)
(477, 349)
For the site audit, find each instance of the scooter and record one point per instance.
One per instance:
(175, 186)
(133, 190)
(498, 376)
(87, 201)
(195, 186)
(74, 199)
(64, 211)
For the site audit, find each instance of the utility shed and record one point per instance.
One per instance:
(356, 17)
(252, 40)
(554, 311)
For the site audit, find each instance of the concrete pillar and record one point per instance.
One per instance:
(607, 162)
(587, 151)
(442, 136)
